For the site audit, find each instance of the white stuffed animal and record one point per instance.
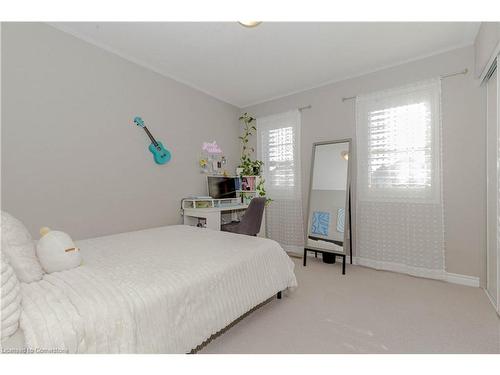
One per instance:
(56, 251)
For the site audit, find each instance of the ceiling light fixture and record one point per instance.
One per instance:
(249, 23)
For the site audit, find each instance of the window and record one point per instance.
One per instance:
(399, 210)
(280, 164)
(278, 146)
(400, 147)
(278, 138)
(399, 142)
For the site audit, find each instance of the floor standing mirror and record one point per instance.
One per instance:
(329, 213)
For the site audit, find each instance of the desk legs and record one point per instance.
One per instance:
(213, 220)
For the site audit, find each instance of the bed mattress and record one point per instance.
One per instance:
(161, 290)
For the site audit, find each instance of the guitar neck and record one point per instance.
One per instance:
(153, 140)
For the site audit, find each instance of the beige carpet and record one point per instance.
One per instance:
(366, 311)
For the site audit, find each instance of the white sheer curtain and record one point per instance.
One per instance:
(399, 191)
(492, 188)
(278, 146)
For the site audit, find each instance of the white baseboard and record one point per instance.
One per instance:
(453, 278)
(456, 278)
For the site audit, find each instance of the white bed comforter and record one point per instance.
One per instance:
(162, 290)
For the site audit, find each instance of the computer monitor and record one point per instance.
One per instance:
(220, 187)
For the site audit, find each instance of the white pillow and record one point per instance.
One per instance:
(10, 300)
(20, 249)
(57, 251)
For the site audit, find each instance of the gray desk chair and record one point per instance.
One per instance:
(251, 220)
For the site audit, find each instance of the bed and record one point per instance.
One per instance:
(161, 290)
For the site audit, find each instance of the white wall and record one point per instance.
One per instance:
(71, 157)
(463, 114)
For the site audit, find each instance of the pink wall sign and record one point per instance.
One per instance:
(211, 147)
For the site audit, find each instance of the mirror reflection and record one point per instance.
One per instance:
(328, 197)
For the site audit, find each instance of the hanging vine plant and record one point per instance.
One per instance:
(250, 167)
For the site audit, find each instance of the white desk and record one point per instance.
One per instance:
(213, 215)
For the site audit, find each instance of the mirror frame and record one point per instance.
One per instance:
(348, 192)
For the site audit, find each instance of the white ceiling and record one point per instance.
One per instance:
(243, 66)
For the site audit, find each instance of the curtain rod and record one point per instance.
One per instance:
(465, 71)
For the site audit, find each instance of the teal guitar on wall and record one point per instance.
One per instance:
(160, 154)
